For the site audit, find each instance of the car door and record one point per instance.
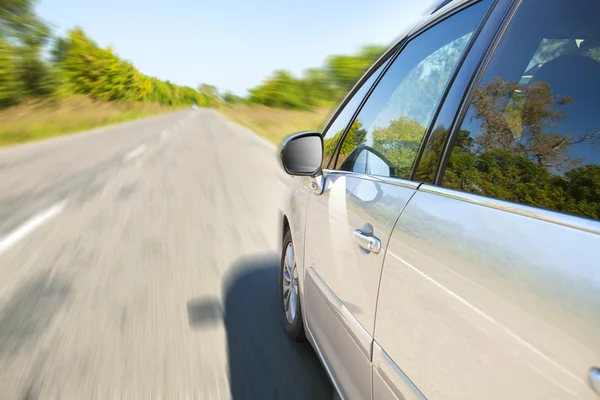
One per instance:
(491, 286)
(366, 186)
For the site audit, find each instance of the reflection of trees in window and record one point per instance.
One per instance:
(431, 154)
(518, 154)
(522, 120)
(329, 145)
(399, 143)
(355, 137)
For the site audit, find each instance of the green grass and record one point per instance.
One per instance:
(45, 119)
(275, 124)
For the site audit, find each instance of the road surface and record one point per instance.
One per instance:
(139, 262)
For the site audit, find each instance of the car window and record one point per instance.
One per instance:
(391, 125)
(531, 133)
(335, 131)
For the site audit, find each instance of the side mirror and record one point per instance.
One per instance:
(302, 154)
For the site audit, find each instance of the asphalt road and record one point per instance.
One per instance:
(139, 262)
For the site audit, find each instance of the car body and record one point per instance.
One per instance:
(448, 246)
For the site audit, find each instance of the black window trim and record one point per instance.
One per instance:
(475, 80)
(391, 55)
(448, 87)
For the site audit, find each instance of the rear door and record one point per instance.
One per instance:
(364, 190)
(491, 284)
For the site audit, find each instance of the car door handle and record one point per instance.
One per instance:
(595, 379)
(367, 242)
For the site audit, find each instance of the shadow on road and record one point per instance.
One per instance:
(263, 362)
(30, 311)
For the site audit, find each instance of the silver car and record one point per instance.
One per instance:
(441, 238)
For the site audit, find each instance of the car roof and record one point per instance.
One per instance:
(438, 11)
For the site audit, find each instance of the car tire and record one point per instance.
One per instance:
(289, 290)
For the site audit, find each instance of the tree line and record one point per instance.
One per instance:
(316, 86)
(76, 65)
(34, 63)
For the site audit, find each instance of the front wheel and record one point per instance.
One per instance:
(290, 291)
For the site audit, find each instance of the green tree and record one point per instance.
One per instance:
(24, 36)
(209, 90)
(9, 84)
(345, 70)
(399, 143)
(355, 137)
(282, 89)
(317, 85)
(232, 98)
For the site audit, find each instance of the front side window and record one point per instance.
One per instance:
(338, 126)
(532, 131)
(385, 137)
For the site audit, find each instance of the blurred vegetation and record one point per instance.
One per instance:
(76, 65)
(283, 104)
(86, 68)
(39, 70)
(38, 120)
(275, 124)
(42, 77)
(317, 86)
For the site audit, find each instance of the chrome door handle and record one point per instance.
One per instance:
(367, 242)
(595, 379)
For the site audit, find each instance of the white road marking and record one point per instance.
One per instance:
(477, 311)
(138, 151)
(164, 135)
(31, 225)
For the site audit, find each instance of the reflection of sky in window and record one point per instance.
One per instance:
(548, 50)
(407, 89)
(421, 108)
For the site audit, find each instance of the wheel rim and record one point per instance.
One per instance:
(290, 284)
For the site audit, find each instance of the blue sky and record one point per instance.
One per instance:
(232, 44)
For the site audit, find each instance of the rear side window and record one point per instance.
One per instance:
(532, 131)
(385, 137)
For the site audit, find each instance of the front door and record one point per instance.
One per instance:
(364, 191)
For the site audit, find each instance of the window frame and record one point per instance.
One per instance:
(385, 58)
(460, 83)
(390, 57)
(486, 56)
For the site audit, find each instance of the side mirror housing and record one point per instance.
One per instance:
(302, 154)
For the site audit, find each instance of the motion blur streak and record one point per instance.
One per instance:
(159, 277)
